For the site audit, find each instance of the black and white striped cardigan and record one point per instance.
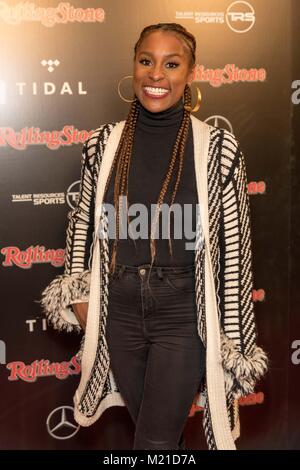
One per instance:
(223, 286)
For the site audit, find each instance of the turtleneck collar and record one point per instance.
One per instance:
(169, 118)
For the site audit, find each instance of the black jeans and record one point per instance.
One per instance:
(157, 356)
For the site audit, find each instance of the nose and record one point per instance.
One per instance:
(156, 73)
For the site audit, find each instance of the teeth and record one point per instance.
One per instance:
(156, 91)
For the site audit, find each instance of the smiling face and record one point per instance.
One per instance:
(161, 71)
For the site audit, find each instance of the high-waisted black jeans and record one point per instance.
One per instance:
(157, 356)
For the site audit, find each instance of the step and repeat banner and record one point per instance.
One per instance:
(61, 63)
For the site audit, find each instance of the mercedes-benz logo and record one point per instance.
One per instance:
(58, 424)
(219, 121)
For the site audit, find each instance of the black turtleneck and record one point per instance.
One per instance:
(154, 138)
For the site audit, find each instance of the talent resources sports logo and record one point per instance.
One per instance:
(239, 16)
(40, 199)
(51, 199)
(42, 368)
(49, 16)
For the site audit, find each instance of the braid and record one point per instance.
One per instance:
(177, 154)
(124, 151)
(185, 126)
(122, 158)
(176, 28)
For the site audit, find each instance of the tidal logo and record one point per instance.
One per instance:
(49, 88)
(49, 64)
(43, 88)
(32, 324)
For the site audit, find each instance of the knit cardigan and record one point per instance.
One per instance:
(223, 282)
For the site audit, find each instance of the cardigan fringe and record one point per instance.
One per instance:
(58, 296)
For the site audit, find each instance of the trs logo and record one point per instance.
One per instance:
(2, 352)
(240, 16)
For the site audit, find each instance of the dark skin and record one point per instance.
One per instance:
(154, 66)
(162, 60)
(81, 310)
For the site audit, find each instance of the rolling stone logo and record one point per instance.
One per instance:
(53, 140)
(42, 368)
(229, 74)
(13, 256)
(49, 16)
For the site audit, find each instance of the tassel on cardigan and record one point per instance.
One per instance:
(56, 300)
(242, 372)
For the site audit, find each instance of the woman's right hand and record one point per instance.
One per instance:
(81, 310)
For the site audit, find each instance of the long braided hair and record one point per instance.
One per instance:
(123, 153)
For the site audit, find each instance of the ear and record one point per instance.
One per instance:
(191, 75)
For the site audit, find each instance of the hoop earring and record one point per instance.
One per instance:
(120, 95)
(197, 105)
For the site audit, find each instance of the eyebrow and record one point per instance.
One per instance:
(167, 55)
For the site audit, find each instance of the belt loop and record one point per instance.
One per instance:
(121, 270)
